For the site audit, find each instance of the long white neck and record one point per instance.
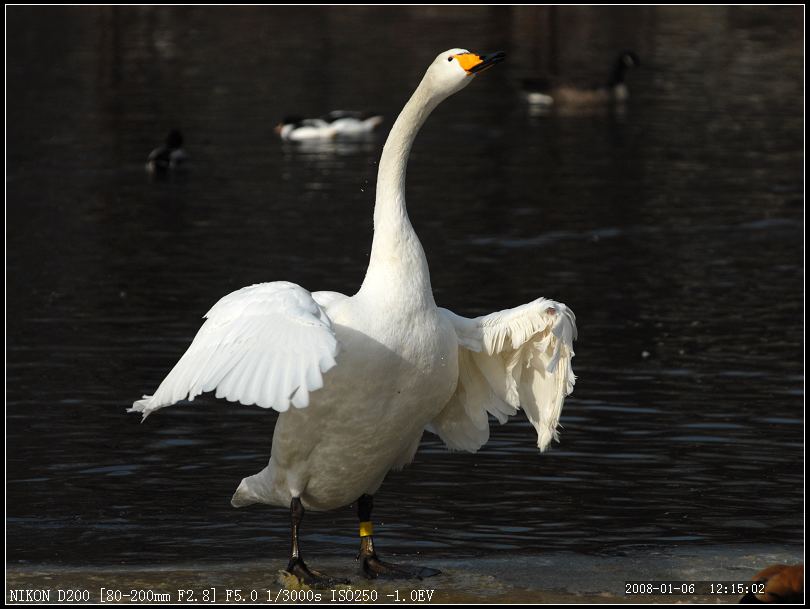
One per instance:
(398, 261)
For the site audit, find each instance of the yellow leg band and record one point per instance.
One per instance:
(366, 529)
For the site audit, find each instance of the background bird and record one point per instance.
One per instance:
(543, 92)
(337, 123)
(169, 156)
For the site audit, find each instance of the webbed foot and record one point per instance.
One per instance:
(374, 568)
(313, 579)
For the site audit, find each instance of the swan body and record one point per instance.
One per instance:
(168, 157)
(357, 379)
(338, 123)
(363, 429)
(542, 93)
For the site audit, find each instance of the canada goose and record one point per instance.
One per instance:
(542, 92)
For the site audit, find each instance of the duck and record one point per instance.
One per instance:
(347, 122)
(337, 123)
(300, 129)
(543, 93)
(357, 380)
(780, 584)
(169, 156)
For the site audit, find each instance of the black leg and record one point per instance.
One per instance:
(297, 566)
(296, 516)
(373, 567)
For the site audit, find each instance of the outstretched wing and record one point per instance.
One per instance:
(512, 359)
(267, 344)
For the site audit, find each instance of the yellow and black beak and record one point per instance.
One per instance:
(474, 63)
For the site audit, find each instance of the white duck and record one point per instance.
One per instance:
(351, 123)
(357, 379)
(299, 129)
(337, 123)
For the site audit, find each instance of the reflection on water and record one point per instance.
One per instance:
(673, 229)
(320, 151)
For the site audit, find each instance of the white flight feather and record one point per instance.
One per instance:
(268, 344)
(514, 359)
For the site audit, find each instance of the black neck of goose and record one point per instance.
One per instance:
(618, 73)
(625, 61)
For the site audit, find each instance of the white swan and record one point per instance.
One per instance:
(358, 379)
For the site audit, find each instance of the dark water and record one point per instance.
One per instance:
(674, 229)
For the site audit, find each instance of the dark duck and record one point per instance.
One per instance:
(168, 157)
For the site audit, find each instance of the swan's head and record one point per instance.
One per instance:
(454, 69)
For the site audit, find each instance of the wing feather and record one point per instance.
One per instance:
(267, 344)
(514, 359)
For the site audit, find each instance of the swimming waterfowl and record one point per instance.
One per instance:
(335, 124)
(541, 91)
(169, 156)
(357, 379)
(783, 584)
(353, 123)
(298, 129)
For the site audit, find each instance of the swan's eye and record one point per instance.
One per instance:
(450, 58)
